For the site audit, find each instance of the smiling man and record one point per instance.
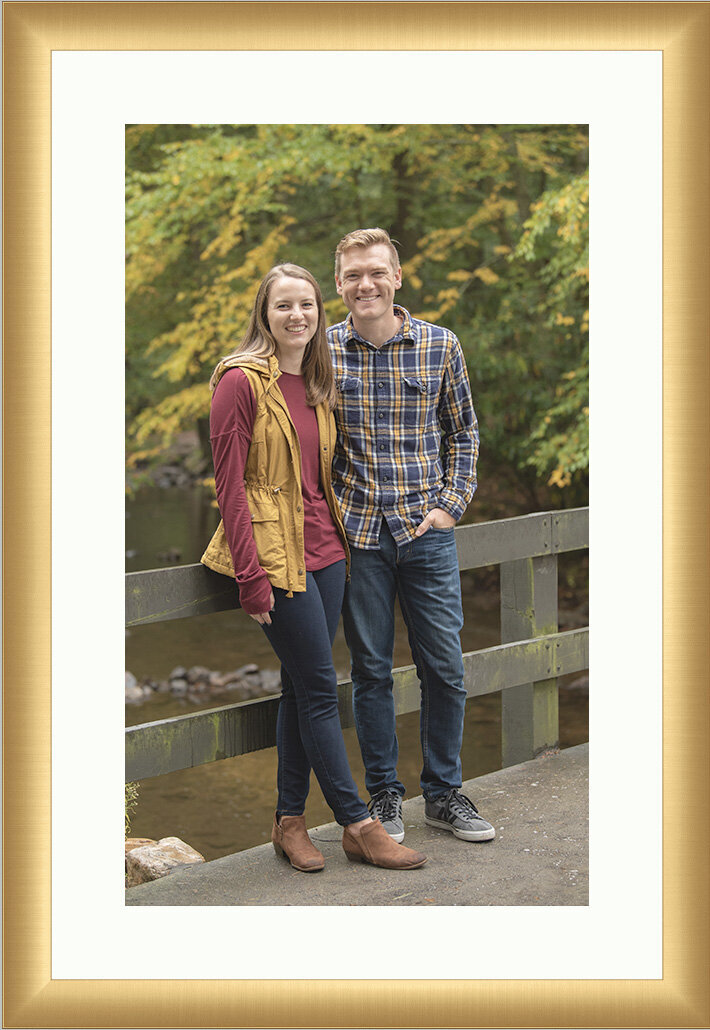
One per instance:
(404, 472)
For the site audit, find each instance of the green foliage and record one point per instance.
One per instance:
(131, 803)
(557, 237)
(493, 227)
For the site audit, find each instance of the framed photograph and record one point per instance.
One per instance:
(74, 75)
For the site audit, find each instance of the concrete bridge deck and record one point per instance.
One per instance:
(539, 857)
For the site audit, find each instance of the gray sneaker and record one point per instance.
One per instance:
(387, 807)
(454, 812)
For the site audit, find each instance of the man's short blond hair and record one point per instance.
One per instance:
(366, 238)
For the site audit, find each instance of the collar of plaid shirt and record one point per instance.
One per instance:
(407, 431)
(407, 332)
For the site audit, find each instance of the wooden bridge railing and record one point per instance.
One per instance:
(525, 666)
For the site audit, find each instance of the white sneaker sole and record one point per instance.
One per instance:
(398, 837)
(461, 834)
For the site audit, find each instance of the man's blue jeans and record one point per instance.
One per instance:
(424, 574)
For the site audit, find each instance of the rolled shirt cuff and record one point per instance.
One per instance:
(451, 504)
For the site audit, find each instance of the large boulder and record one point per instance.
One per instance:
(153, 860)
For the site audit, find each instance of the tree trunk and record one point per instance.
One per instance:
(203, 434)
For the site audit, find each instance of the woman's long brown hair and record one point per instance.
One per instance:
(317, 369)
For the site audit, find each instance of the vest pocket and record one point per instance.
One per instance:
(263, 509)
(267, 530)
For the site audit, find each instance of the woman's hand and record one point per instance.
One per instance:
(265, 617)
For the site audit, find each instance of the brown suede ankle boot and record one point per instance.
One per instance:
(290, 839)
(373, 844)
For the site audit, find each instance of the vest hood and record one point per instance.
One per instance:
(268, 368)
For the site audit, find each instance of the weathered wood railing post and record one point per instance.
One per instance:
(528, 602)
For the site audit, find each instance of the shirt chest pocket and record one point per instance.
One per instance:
(418, 401)
(350, 400)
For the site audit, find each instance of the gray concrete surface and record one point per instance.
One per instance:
(539, 857)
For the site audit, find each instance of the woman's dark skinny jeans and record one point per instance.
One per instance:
(308, 733)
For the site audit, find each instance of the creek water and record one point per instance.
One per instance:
(227, 806)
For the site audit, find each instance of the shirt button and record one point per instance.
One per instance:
(380, 385)
(381, 414)
(300, 572)
(298, 507)
(382, 447)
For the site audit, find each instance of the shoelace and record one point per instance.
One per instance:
(459, 804)
(386, 805)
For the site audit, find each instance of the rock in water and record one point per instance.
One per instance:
(197, 674)
(138, 842)
(151, 861)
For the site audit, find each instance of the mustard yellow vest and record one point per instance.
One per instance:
(272, 478)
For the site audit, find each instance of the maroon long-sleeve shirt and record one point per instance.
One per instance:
(231, 425)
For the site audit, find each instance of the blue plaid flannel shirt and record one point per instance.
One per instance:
(407, 432)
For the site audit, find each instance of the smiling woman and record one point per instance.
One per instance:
(282, 538)
(293, 318)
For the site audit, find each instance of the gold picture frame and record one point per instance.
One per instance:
(31, 32)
